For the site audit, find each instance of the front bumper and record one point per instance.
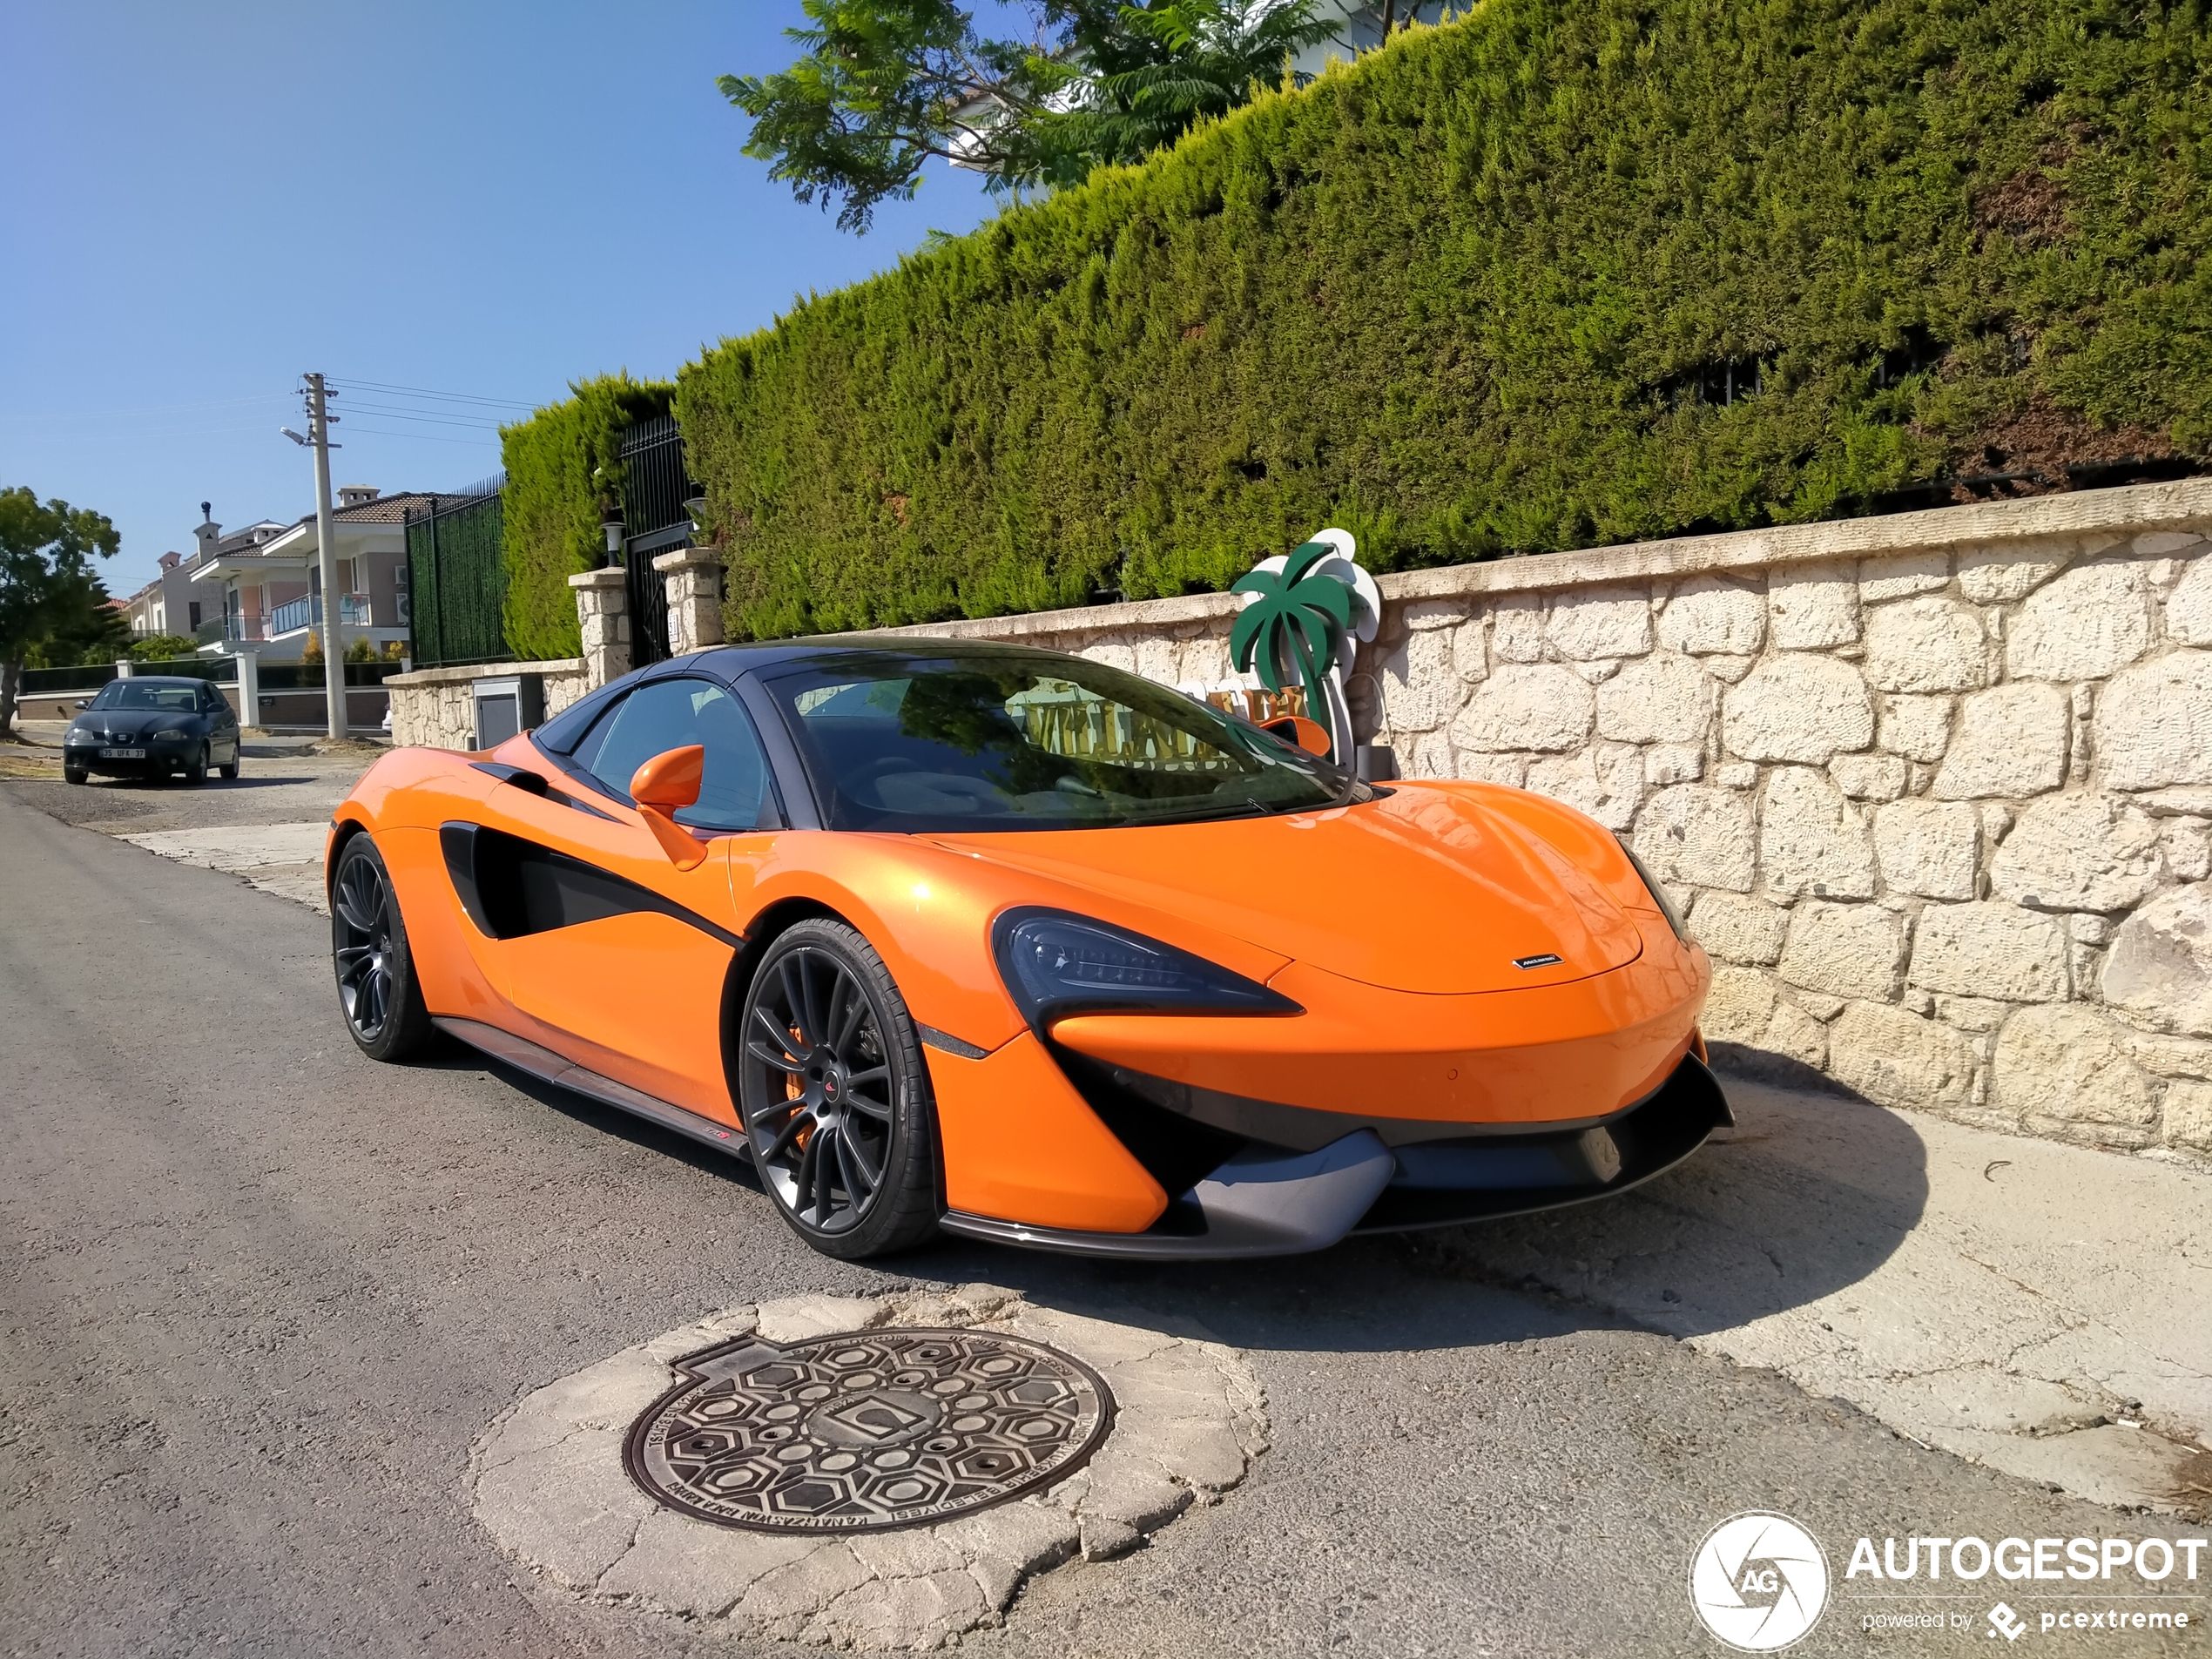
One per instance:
(158, 758)
(1271, 1201)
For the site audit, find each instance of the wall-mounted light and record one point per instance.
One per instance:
(613, 526)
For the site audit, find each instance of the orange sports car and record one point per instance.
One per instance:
(1008, 943)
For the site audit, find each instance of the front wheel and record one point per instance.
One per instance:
(835, 1094)
(196, 773)
(377, 988)
(74, 774)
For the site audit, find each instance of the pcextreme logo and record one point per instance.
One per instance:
(1758, 1582)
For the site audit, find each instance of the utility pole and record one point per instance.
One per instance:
(334, 651)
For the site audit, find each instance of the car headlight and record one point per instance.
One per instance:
(79, 737)
(1658, 895)
(175, 734)
(1055, 964)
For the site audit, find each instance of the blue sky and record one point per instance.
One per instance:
(481, 199)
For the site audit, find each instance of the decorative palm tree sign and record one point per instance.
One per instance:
(1300, 623)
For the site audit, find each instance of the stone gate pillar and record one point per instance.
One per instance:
(694, 578)
(603, 615)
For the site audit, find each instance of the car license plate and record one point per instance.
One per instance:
(122, 754)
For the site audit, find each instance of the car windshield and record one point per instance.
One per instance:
(141, 694)
(1024, 740)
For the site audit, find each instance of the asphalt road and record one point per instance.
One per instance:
(259, 1294)
(280, 781)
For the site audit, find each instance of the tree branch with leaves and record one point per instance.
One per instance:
(886, 85)
(46, 554)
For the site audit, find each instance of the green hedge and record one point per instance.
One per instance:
(1564, 272)
(563, 464)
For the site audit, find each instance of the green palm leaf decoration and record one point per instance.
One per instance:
(1298, 618)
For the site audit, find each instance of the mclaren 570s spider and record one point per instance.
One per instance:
(1023, 947)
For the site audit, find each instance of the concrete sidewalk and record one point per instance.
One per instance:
(282, 859)
(2042, 1309)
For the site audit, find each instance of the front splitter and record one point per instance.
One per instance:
(1267, 1202)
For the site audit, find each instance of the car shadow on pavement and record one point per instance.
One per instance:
(452, 1054)
(1806, 1196)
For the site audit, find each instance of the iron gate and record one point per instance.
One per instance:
(656, 519)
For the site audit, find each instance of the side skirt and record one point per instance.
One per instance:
(525, 1055)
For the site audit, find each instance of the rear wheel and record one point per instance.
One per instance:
(377, 987)
(229, 768)
(835, 1094)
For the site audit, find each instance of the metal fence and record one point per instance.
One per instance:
(656, 490)
(307, 676)
(457, 582)
(45, 682)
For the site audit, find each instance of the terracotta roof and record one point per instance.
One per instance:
(390, 510)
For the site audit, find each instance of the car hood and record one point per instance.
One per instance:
(129, 723)
(1421, 890)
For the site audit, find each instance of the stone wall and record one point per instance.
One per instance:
(1935, 789)
(434, 708)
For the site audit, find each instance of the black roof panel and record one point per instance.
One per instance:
(773, 653)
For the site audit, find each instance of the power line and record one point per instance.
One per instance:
(418, 391)
(16, 438)
(399, 413)
(425, 437)
(157, 408)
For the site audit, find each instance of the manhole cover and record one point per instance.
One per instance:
(865, 1430)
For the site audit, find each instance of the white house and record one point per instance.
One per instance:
(272, 586)
(1361, 28)
(173, 603)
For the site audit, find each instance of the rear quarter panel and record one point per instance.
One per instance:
(401, 801)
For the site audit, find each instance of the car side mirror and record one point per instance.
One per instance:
(84, 702)
(1309, 735)
(663, 787)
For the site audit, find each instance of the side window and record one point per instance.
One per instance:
(562, 734)
(674, 714)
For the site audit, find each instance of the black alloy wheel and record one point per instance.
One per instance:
(376, 984)
(835, 1094)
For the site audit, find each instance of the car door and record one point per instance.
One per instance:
(222, 726)
(621, 957)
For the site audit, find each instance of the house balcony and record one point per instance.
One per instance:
(222, 629)
(353, 611)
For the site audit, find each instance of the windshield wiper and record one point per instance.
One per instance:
(1219, 809)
